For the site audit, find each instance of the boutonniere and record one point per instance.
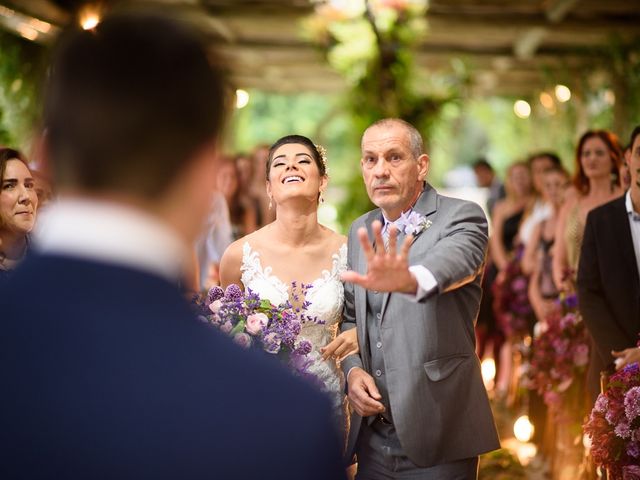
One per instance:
(414, 223)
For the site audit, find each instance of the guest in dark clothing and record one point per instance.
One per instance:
(105, 372)
(609, 277)
(18, 205)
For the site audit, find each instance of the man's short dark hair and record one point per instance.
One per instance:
(127, 103)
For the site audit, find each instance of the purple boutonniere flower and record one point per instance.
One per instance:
(414, 223)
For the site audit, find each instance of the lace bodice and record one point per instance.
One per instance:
(326, 296)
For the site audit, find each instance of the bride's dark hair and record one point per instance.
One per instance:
(302, 140)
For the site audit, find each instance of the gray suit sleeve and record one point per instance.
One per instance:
(458, 256)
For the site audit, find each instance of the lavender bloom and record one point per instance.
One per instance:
(304, 347)
(271, 343)
(632, 403)
(216, 293)
(571, 301)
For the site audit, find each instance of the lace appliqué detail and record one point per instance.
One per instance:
(326, 296)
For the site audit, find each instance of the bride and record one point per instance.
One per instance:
(296, 248)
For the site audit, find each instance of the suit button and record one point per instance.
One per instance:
(378, 316)
(379, 345)
(378, 373)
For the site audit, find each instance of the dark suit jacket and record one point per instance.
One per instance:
(608, 285)
(105, 373)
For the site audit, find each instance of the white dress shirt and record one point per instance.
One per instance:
(112, 233)
(634, 223)
(427, 283)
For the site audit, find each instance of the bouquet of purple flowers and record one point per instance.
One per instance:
(252, 321)
(560, 354)
(614, 425)
(511, 299)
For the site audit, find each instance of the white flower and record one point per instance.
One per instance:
(413, 223)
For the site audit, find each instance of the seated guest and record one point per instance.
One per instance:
(609, 277)
(105, 371)
(18, 205)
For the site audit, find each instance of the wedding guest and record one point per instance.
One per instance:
(543, 292)
(18, 205)
(609, 277)
(420, 406)
(216, 236)
(241, 213)
(486, 178)
(260, 158)
(596, 181)
(506, 220)
(246, 179)
(109, 373)
(539, 207)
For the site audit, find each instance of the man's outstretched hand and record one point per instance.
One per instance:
(387, 270)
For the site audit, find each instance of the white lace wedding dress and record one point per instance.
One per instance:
(326, 296)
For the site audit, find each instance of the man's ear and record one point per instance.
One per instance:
(423, 166)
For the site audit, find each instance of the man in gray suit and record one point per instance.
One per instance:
(420, 406)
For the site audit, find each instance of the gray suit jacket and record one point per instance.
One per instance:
(438, 401)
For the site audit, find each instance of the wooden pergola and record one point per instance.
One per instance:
(512, 47)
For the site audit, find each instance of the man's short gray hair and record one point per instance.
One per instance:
(415, 139)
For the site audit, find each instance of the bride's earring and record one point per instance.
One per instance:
(321, 199)
(270, 203)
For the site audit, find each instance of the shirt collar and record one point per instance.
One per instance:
(112, 233)
(629, 206)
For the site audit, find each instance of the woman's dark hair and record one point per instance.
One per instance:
(553, 158)
(315, 154)
(634, 134)
(7, 154)
(580, 179)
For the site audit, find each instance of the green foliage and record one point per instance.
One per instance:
(500, 465)
(19, 79)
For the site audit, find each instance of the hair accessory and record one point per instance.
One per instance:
(323, 155)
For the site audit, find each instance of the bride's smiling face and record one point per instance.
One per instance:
(293, 173)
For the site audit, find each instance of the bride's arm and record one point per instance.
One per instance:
(230, 265)
(342, 346)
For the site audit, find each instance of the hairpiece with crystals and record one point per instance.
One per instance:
(323, 156)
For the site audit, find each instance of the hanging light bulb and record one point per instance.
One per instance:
(242, 98)
(563, 94)
(522, 108)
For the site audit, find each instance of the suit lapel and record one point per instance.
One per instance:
(623, 233)
(426, 205)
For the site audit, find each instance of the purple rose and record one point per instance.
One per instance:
(226, 327)
(256, 323)
(242, 339)
(215, 306)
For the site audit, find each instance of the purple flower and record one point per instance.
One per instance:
(622, 430)
(633, 449)
(233, 293)
(571, 301)
(632, 403)
(602, 403)
(631, 472)
(631, 368)
(304, 347)
(414, 223)
(216, 293)
(242, 339)
(271, 343)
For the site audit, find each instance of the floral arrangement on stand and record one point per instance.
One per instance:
(254, 322)
(560, 354)
(511, 299)
(614, 425)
